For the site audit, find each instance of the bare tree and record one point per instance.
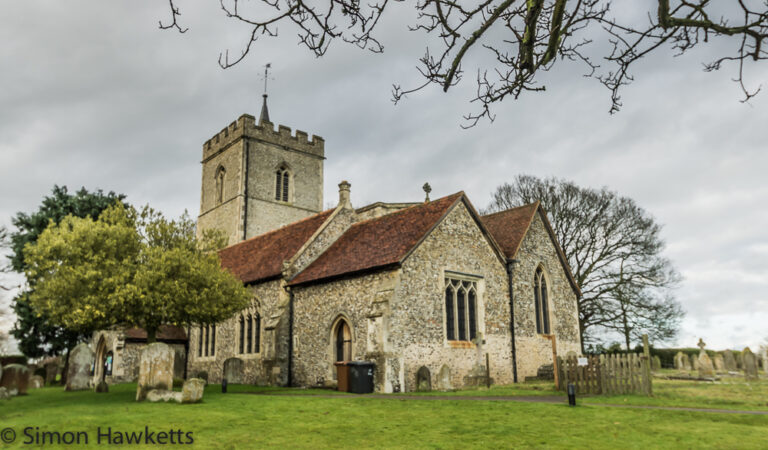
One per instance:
(614, 249)
(524, 38)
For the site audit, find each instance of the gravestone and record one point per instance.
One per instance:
(4, 395)
(706, 368)
(682, 362)
(423, 380)
(703, 362)
(718, 362)
(656, 363)
(155, 369)
(750, 364)
(79, 372)
(233, 371)
(102, 387)
(51, 370)
(694, 362)
(192, 391)
(163, 395)
(444, 379)
(15, 378)
(36, 382)
(730, 361)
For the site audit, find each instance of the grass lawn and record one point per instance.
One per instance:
(245, 421)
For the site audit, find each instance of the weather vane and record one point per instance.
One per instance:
(266, 76)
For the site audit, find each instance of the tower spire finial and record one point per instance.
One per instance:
(264, 117)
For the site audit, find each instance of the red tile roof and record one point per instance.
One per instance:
(379, 242)
(165, 332)
(508, 227)
(261, 257)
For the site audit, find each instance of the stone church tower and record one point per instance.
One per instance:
(256, 179)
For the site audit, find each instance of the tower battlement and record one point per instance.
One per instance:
(246, 126)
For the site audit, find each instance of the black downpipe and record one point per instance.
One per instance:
(510, 271)
(290, 339)
(186, 353)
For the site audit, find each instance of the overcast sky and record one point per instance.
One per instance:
(93, 94)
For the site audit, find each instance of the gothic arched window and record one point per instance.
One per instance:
(282, 184)
(250, 332)
(206, 344)
(220, 173)
(460, 310)
(541, 301)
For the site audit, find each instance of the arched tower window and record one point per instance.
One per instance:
(282, 184)
(541, 301)
(220, 173)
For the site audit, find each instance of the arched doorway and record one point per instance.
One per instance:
(342, 341)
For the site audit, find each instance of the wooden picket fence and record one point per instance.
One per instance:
(606, 374)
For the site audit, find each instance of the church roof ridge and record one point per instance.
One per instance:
(515, 208)
(261, 257)
(378, 242)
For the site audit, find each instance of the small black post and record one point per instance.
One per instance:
(223, 385)
(571, 394)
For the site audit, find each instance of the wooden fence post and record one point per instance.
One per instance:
(647, 380)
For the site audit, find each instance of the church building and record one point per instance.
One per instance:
(423, 290)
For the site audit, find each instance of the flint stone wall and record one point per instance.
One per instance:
(535, 350)
(269, 366)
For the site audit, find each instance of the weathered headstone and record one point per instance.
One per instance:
(681, 361)
(706, 368)
(750, 364)
(4, 395)
(51, 370)
(730, 361)
(718, 362)
(444, 379)
(36, 382)
(163, 395)
(15, 377)
(102, 387)
(234, 371)
(192, 391)
(79, 371)
(423, 380)
(656, 363)
(155, 369)
(694, 362)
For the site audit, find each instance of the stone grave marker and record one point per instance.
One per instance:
(79, 371)
(15, 379)
(155, 369)
(192, 391)
(718, 362)
(234, 371)
(423, 380)
(730, 361)
(750, 364)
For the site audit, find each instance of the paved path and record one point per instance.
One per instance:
(517, 398)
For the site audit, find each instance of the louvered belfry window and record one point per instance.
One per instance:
(282, 184)
(460, 310)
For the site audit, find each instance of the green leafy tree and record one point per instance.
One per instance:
(130, 267)
(35, 334)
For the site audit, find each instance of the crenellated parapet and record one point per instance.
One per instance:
(246, 126)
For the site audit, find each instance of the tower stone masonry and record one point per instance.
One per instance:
(256, 178)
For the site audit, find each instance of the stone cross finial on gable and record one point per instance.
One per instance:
(701, 344)
(427, 189)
